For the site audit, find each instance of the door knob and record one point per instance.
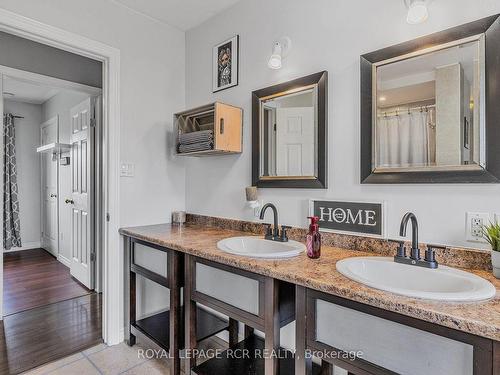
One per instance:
(53, 195)
(69, 201)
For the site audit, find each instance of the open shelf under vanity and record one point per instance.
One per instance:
(156, 327)
(229, 363)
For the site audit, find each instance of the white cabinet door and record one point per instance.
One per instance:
(82, 176)
(295, 141)
(49, 172)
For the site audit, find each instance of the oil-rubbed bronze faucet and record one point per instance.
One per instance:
(414, 259)
(275, 234)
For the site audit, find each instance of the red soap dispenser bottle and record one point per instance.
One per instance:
(313, 241)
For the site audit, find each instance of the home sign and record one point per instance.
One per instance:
(357, 217)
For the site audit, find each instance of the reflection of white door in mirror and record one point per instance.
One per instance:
(295, 141)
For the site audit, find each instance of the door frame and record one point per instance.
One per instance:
(112, 267)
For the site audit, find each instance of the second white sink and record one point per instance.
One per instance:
(443, 283)
(257, 247)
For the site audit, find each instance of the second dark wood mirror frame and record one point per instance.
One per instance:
(490, 27)
(321, 179)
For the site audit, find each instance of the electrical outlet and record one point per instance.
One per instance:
(474, 226)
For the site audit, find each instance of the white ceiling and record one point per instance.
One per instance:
(420, 92)
(183, 14)
(465, 54)
(27, 92)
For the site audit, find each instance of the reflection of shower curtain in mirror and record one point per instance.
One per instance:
(406, 140)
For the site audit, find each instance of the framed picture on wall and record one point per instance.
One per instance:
(225, 64)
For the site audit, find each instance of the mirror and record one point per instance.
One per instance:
(428, 117)
(428, 113)
(289, 125)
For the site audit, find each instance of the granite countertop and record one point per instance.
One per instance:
(479, 318)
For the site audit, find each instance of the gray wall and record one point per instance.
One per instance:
(25, 54)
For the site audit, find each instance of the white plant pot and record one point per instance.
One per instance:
(495, 262)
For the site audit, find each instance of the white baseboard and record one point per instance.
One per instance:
(122, 335)
(26, 246)
(64, 260)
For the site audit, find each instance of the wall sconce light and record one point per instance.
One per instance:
(280, 50)
(417, 11)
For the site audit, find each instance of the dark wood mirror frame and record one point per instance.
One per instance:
(321, 180)
(490, 26)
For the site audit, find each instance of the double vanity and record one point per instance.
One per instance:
(428, 114)
(351, 309)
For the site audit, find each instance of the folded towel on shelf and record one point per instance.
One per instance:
(200, 146)
(196, 137)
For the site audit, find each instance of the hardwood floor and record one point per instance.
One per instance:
(35, 278)
(47, 314)
(43, 334)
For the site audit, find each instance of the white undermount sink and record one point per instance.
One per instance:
(258, 247)
(443, 283)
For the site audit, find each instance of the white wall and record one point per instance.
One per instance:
(326, 35)
(28, 169)
(60, 105)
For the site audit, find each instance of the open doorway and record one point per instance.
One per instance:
(52, 260)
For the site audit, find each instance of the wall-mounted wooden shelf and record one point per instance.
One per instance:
(54, 148)
(213, 129)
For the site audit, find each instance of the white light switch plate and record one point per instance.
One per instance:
(474, 226)
(127, 170)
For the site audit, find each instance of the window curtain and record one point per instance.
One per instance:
(403, 140)
(11, 223)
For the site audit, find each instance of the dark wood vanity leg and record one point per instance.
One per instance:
(131, 286)
(327, 369)
(174, 273)
(189, 314)
(272, 326)
(248, 331)
(302, 364)
(496, 357)
(233, 332)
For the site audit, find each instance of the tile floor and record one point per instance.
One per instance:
(104, 360)
(115, 360)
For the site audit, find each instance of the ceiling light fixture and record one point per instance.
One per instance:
(280, 50)
(417, 11)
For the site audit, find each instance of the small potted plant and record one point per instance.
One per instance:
(491, 233)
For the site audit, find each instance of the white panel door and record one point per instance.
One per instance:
(49, 175)
(295, 141)
(82, 151)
